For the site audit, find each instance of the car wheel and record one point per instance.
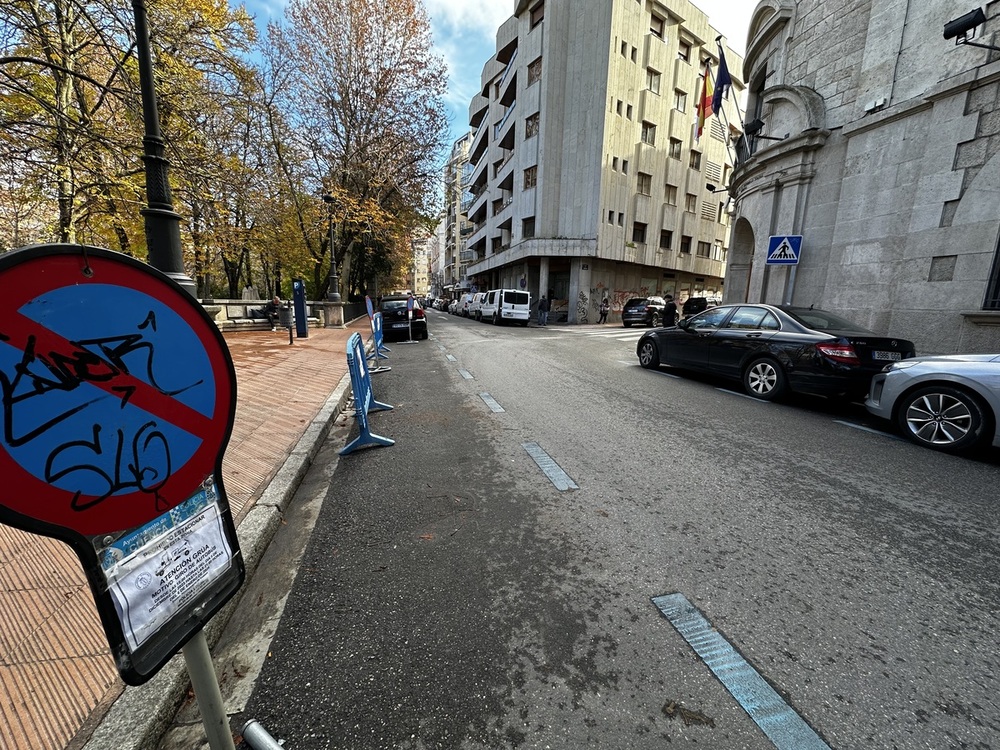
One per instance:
(764, 379)
(649, 354)
(941, 417)
(655, 321)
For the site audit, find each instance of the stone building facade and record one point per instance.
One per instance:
(586, 178)
(879, 144)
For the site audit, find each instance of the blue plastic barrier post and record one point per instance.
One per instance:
(361, 384)
(377, 347)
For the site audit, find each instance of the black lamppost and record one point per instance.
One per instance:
(162, 223)
(334, 294)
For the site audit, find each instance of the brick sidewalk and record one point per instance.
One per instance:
(56, 672)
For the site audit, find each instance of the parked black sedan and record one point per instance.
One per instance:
(396, 323)
(774, 349)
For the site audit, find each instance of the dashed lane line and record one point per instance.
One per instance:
(782, 725)
(492, 403)
(550, 468)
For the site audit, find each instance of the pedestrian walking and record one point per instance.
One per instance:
(605, 308)
(670, 312)
(543, 311)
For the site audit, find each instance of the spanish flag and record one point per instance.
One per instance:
(704, 110)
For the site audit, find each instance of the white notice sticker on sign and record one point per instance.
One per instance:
(160, 579)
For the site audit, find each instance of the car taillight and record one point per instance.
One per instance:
(839, 353)
(418, 313)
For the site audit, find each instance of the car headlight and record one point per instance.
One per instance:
(901, 365)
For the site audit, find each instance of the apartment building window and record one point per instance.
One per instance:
(675, 148)
(644, 183)
(704, 250)
(531, 126)
(639, 233)
(625, 166)
(619, 107)
(621, 219)
(537, 14)
(685, 244)
(528, 227)
(624, 49)
(695, 160)
(666, 239)
(656, 26)
(614, 163)
(530, 177)
(670, 195)
(653, 81)
(683, 51)
(635, 54)
(535, 71)
(648, 133)
(628, 112)
(680, 100)
(690, 203)
(611, 217)
(722, 216)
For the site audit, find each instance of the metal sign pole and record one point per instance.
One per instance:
(206, 689)
(409, 321)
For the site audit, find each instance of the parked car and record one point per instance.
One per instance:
(506, 306)
(462, 306)
(646, 311)
(396, 323)
(773, 349)
(948, 403)
(476, 306)
(694, 305)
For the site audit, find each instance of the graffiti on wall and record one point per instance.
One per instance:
(582, 306)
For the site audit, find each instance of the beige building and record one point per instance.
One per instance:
(455, 259)
(878, 142)
(586, 179)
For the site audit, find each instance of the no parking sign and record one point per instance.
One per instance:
(118, 397)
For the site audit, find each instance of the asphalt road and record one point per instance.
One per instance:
(451, 595)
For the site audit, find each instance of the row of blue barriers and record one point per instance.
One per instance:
(361, 384)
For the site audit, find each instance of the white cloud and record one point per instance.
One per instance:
(481, 18)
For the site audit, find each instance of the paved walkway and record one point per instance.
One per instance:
(57, 677)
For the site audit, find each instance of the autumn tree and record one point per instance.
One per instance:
(364, 94)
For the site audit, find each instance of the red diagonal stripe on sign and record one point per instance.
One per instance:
(138, 392)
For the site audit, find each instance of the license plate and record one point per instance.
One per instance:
(400, 325)
(888, 356)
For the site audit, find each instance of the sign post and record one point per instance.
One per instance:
(409, 321)
(118, 396)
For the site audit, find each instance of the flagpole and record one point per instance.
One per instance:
(722, 112)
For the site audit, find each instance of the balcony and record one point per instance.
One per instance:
(505, 120)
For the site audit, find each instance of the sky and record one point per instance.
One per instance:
(465, 37)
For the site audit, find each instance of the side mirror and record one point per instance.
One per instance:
(683, 324)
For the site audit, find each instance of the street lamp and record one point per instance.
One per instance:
(334, 294)
(162, 223)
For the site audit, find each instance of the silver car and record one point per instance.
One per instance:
(949, 403)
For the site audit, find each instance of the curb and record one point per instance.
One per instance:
(140, 716)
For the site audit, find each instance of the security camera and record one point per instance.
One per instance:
(965, 26)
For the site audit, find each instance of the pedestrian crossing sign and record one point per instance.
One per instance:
(784, 249)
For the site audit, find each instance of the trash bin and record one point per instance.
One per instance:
(286, 316)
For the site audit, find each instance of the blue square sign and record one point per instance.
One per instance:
(783, 250)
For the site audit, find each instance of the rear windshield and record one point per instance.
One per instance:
(394, 304)
(636, 301)
(822, 320)
(515, 298)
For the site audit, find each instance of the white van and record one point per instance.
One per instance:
(506, 306)
(476, 305)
